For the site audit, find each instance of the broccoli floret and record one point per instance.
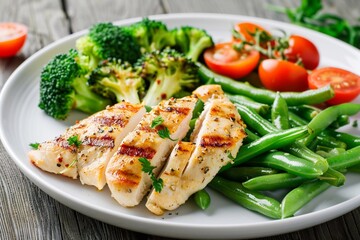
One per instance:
(192, 41)
(105, 41)
(168, 72)
(63, 86)
(152, 35)
(118, 81)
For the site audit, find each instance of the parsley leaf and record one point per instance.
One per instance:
(148, 108)
(165, 133)
(34, 145)
(147, 168)
(74, 141)
(230, 156)
(157, 121)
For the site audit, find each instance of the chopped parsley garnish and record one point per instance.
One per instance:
(74, 141)
(157, 122)
(165, 133)
(147, 168)
(148, 108)
(34, 145)
(231, 157)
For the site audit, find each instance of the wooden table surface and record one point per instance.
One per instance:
(29, 213)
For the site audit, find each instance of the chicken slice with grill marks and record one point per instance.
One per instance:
(127, 182)
(98, 136)
(219, 132)
(56, 156)
(101, 135)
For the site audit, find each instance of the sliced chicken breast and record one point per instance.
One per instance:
(99, 135)
(127, 182)
(217, 136)
(56, 156)
(205, 92)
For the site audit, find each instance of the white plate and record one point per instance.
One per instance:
(22, 122)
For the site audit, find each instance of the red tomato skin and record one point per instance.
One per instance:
(283, 76)
(350, 83)
(230, 65)
(11, 46)
(246, 28)
(300, 47)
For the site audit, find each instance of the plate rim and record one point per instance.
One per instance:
(89, 209)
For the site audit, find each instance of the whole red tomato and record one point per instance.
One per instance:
(281, 75)
(304, 49)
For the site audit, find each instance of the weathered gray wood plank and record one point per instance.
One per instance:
(83, 14)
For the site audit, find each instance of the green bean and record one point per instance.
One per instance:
(279, 113)
(355, 168)
(274, 182)
(333, 177)
(249, 199)
(346, 159)
(300, 196)
(270, 141)
(321, 121)
(202, 199)
(262, 95)
(199, 107)
(305, 111)
(255, 121)
(250, 136)
(342, 120)
(260, 108)
(327, 152)
(330, 142)
(350, 140)
(287, 162)
(241, 174)
(295, 120)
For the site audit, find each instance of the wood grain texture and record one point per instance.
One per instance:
(26, 212)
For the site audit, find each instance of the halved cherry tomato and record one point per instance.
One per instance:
(225, 60)
(281, 75)
(304, 49)
(12, 38)
(247, 29)
(345, 84)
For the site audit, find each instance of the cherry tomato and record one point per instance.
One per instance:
(345, 84)
(247, 29)
(304, 49)
(281, 75)
(12, 38)
(225, 60)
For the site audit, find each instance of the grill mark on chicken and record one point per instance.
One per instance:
(215, 141)
(127, 178)
(103, 141)
(112, 121)
(62, 142)
(133, 151)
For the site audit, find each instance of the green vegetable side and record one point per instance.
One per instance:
(132, 63)
(146, 62)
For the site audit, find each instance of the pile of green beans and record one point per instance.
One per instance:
(290, 145)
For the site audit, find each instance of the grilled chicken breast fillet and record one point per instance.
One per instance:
(127, 182)
(217, 136)
(100, 135)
